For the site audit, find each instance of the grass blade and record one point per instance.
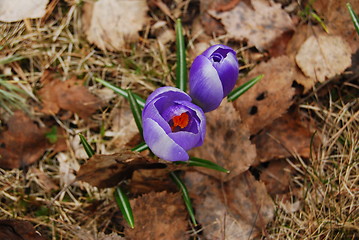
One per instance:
(90, 152)
(181, 69)
(10, 59)
(199, 162)
(136, 110)
(120, 91)
(354, 17)
(236, 93)
(185, 196)
(125, 206)
(140, 147)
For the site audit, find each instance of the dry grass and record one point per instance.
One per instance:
(324, 200)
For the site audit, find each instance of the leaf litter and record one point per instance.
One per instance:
(236, 206)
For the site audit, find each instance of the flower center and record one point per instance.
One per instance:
(179, 122)
(217, 57)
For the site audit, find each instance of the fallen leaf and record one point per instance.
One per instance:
(338, 21)
(23, 142)
(69, 95)
(276, 177)
(12, 229)
(158, 216)
(111, 24)
(238, 209)
(227, 143)
(43, 179)
(287, 136)
(17, 10)
(105, 171)
(270, 97)
(260, 25)
(323, 56)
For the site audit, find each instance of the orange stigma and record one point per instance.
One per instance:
(180, 121)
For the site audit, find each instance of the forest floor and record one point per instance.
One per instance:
(291, 142)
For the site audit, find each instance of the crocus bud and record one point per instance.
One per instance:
(212, 76)
(172, 125)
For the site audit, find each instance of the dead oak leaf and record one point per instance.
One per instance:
(286, 136)
(69, 95)
(18, 230)
(270, 97)
(17, 10)
(111, 24)
(158, 215)
(105, 171)
(323, 56)
(227, 143)
(23, 143)
(260, 25)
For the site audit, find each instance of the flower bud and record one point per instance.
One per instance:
(212, 76)
(172, 125)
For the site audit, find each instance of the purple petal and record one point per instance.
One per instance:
(151, 111)
(186, 140)
(205, 85)
(161, 144)
(172, 92)
(214, 48)
(228, 70)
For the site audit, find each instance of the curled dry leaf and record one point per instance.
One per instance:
(159, 215)
(69, 95)
(287, 136)
(260, 25)
(271, 97)
(323, 56)
(105, 171)
(23, 143)
(111, 24)
(227, 143)
(18, 230)
(237, 209)
(17, 10)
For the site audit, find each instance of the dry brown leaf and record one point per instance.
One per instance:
(43, 179)
(269, 98)
(111, 24)
(260, 25)
(227, 143)
(17, 10)
(23, 143)
(249, 207)
(12, 229)
(69, 95)
(337, 19)
(276, 177)
(286, 136)
(158, 216)
(323, 56)
(105, 171)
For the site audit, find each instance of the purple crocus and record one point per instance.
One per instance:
(172, 125)
(212, 76)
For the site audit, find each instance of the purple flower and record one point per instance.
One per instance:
(172, 124)
(212, 76)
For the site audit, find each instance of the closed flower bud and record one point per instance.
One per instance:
(212, 76)
(172, 125)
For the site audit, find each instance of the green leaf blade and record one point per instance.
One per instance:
(199, 162)
(125, 206)
(141, 102)
(185, 196)
(181, 69)
(136, 110)
(90, 152)
(140, 147)
(236, 93)
(354, 17)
